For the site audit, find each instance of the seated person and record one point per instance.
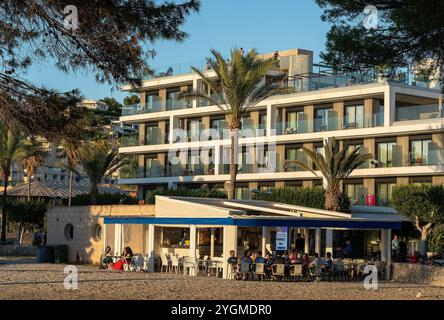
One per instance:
(232, 260)
(279, 259)
(305, 260)
(315, 261)
(259, 258)
(125, 259)
(328, 261)
(293, 257)
(107, 257)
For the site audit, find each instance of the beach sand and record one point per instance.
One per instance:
(46, 281)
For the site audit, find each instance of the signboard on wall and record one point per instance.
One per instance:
(282, 238)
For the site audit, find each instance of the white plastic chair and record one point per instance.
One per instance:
(165, 263)
(175, 264)
(191, 264)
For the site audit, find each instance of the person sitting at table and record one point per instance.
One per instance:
(246, 257)
(259, 258)
(328, 261)
(232, 260)
(314, 262)
(293, 256)
(107, 257)
(125, 259)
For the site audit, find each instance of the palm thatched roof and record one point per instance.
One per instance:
(59, 190)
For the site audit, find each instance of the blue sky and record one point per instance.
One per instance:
(221, 24)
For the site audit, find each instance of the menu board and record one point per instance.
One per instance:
(282, 238)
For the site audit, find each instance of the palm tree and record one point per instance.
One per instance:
(335, 165)
(34, 157)
(239, 85)
(71, 152)
(98, 159)
(13, 148)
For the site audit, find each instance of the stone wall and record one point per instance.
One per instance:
(85, 246)
(418, 273)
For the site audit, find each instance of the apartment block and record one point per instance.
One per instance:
(397, 120)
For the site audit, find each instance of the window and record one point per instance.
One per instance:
(153, 102)
(152, 134)
(97, 232)
(385, 153)
(262, 123)
(69, 232)
(176, 236)
(419, 152)
(356, 193)
(294, 122)
(219, 124)
(354, 117)
(173, 101)
(293, 153)
(242, 193)
(152, 166)
(322, 119)
(194, 129)
(384, 193)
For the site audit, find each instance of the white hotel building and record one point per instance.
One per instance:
(397, 120)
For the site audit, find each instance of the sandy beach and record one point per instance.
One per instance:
(45, 281)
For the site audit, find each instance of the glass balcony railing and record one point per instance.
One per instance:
(178, 69)
(398, 158)
(156, 106)
(418, 112)
(129, 140)
(156, 170)
(332, 123)
(206, 103)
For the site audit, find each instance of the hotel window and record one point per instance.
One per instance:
(173, 102)
(167, 132)
(246, 159)
(356, 193)
(152, 166)
(384, 193)
(322, 119)
(153, 101)
(294, 121)
(293, 153)
(421, 181)
(194, 129)
(219, 124)
(419, 152)
(242, 192)
(354, 117)
(385, 153)
(152, 134)
(247, 126)
(294, 184)
(264, 186)
(262, 123)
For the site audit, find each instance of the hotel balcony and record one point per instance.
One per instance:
(331, 123)
(156, 105)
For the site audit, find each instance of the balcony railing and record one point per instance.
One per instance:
(432, 157)
(332, 123)
(156, 106)
(418, 112)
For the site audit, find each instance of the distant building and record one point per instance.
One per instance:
(94, 104)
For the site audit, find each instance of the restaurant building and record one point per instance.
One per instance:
(199, 227)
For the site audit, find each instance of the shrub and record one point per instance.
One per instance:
(305, 197)
(104, 199)
(204, 193)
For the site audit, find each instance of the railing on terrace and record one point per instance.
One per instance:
(156, 106)
(418, 112)
(332, 123)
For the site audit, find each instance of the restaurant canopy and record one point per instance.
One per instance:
(255, 213)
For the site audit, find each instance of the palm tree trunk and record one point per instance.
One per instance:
(332, 199)
(70, 188)
(94, 193)
(29, 187)
(233, 162)
(4, 212)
